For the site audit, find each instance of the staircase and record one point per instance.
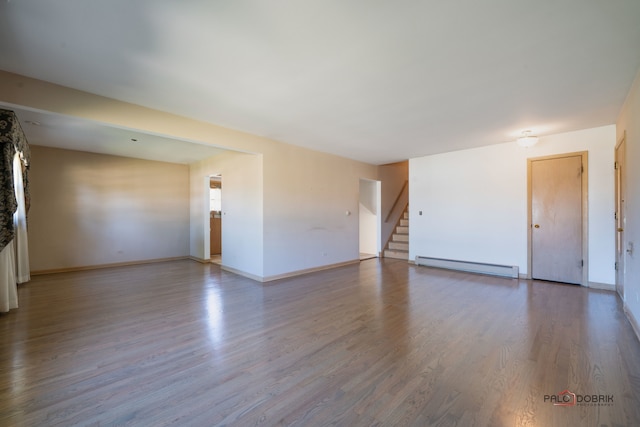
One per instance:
(398, 245)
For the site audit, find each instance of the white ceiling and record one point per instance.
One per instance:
(377, 81)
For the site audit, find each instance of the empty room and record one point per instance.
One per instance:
(320, 213)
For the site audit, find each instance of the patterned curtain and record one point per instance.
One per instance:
(14, 158)
(12, 140)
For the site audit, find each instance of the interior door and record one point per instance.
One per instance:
(215, 230)
(556, 219)
(620, 217)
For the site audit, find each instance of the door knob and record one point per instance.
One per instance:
(537, 226)
(620, 229)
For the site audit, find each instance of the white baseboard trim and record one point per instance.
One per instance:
(99, 266)
(632, 319)
(277, 276)
(242, 273)
(308, 270)
(286, 275)
(603, 286)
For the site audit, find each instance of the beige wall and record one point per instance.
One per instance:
(242, 212)
(283, 211)
(91, 209)
(629, 122)
(307, 195)
(304, 194)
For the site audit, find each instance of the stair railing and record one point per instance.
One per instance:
(394, 209)
(405, 186)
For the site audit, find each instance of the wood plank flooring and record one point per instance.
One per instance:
(380, 343)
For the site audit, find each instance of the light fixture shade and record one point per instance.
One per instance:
(527, 140)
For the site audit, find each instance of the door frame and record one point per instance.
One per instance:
(620, 221)
(378, 202)
(217, 178)
(206, 201)
(585, 211)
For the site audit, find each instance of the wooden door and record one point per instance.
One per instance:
(556, 219)
(215, 230)
(620, 217)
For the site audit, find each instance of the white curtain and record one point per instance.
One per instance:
(14, 258)
(8, 288)
(20, 224)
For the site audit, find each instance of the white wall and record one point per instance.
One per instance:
(629, 122)
(474, 202)
(368, 215)
(92, 209)
(242, 210)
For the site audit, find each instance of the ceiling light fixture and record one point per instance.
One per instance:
(527, 140)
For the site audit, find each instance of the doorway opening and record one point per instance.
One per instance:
(557, 218)
(370, 222)
(215, 218)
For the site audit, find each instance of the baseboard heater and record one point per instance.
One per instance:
(470, 267)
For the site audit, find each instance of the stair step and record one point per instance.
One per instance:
(402, 229)
(396, 254)
(399, 237)
(399, 246)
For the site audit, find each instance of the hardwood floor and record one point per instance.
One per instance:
(376, 343)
